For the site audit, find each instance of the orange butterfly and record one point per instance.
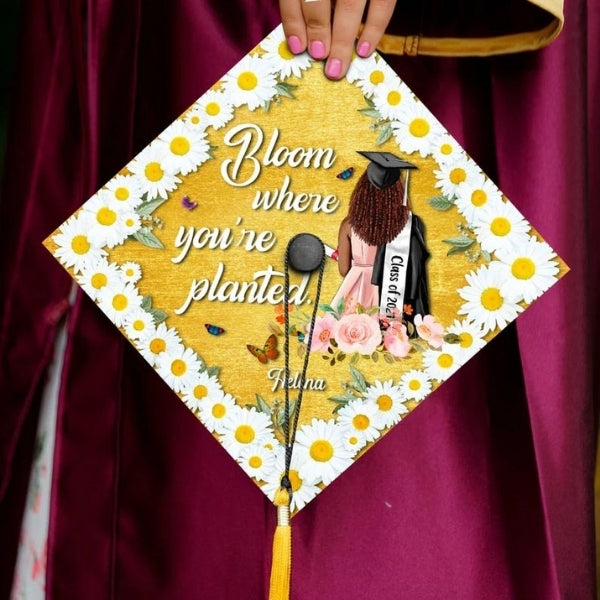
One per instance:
(267, 352)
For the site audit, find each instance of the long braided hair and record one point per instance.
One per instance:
(377, 216)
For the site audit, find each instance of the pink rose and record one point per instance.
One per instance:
(396, 341)
(429, 330)
(357, 333)
(322, 333)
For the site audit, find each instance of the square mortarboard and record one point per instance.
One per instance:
(384, 168)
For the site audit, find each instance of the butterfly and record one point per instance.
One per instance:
(346, 174)
(187, 203)
(214, 329)
(267, 352)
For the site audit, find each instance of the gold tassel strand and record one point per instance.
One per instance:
(281, 565)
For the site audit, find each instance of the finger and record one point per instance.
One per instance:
(378, 18)
(346, 21)
(317, 16)
(293, 23)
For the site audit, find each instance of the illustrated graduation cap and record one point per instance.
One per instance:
(385, 169)
(217, 356)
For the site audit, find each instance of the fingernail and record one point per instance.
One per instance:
(363, 49)
(333, 68)
(294, 44)
(317, 49)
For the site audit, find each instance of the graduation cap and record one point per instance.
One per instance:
(385, 168)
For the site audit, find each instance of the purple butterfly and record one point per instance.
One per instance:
(187, 203)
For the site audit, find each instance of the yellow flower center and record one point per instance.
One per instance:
(80, 244)
(200, 391)
(129, 272)
(491, 299)
(138, 325)
(446, 149)
(523, 268)
(157, 345)
(384, 402)
(321, 450)
(99, 280)
(153, 171)
(361, 422)
(213, 109)
(414, 385)
(478, 198)
(180, 145)
(255, 462)
(466, 340)
(247, 80)
(353, 440)
(457, 175)
(195, 120)
(120, 302)
(295, 480)
(129, 222)
(105, 216)
(500, 226)
(178, 367)
(121, 193)
(218, 410)
(376, 77)
(244, 434)
(394, 98)
(284, 51)
(419, 127)
(445, 360)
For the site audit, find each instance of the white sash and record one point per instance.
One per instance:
(395, 264)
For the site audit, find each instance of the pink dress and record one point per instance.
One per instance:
(357, 287)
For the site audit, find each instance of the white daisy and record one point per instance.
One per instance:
(304, 488)
(250, 82)
(370, 73)
(203, 386)
(447, 150)
(485, 304)
(156, 180)
(137, 324)
(415, 385)
(178, 367)
(451, 175)
(118, 301)
(126, 190)
(105, 226)
(501, 226)
(416, 129)
(196, 119)
(214, 109)
(440, 364)
(352, 442)
(530, 270)
(390, 97)
(156, 341)
(215, 409)
(75, 248)
(388, 398)
(98, 276)
(357, 66)
(282, 61)
(470, 338)
(245, 426)
(321, 448)
(130, 221)
(257, 460)
(356, 419)
(186, 147)
(131, 272)
(475, 195)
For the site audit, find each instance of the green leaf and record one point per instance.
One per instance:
(266, 106)
(354, 358)
(385, 133)
(375, 356)
(146, 303)
(369, 101)
(341, 356)
(440, 203)
(370, 112)
(158, 315)
(388, 358)
(455, 250)
(452, 338)
(486, 255)
(340, 306)
(328, 309)
(147, 208)
(213, 371)
(462, 241)
(286, 89)
(146, 237)
(344, 399)
(261, 405)
(360, 383)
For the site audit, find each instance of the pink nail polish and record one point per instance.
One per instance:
(294, 44)
(317, 49)
(333, 68)
(363, 49)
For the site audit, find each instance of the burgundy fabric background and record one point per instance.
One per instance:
(485, 492)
